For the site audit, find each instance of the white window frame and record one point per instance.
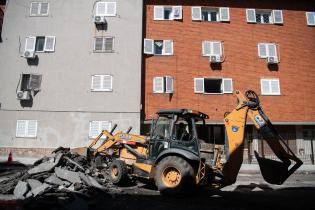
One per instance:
(267, 50)
(222, 86)
(164, 84)
(212, 48)
(39, 9)
(103, 44)
(26, 132)
(271, 92)
(99, 128)
(105, 14)
(312, 14)
(102, 76)
(209, 10)
(261, 13)
(155, 8)
(271, 17)
(54, 43)
(44, 48)
(163, 47)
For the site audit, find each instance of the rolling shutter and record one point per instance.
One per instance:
(109, 43)
(49, 45)
(199, 85)
(107, 82)
(98, 43)
(224, 14)
(96, 82)
(32, 128)
(148, 46)
(251, 15)
(196, 13)
(168, 47)
(94, 129)
(34, 8)
(277, 16)
(21, 128)
(158, 13)
(158, 85)
(44, 8)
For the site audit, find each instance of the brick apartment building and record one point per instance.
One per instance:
(196, 53)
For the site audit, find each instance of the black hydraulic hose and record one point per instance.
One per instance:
(133, 151)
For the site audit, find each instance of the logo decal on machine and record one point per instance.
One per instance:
(234, 129)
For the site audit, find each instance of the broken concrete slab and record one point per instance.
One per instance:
(90, 181)
(43, 167)
(41, 189)
(20, 189)
(70, 176)
(58, 158)
(33, 183)
(54, 180)
(29, 194)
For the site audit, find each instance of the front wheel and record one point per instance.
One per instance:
(118, 172)
(174, 175)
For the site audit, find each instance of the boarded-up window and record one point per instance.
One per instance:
(26, 128)
(96, 127)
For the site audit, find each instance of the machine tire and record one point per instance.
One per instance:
(118, 172)
(174, 175)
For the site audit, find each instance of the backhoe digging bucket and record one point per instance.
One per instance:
(274, 171)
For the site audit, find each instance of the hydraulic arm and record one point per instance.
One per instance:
(273, 171)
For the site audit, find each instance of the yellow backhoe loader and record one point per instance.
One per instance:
(176, 159)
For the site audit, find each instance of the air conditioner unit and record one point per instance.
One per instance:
(23, 95)
(272, 60)
(99, 19)
(29, 54)
(215, 58)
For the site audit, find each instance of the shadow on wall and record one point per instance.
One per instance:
(33, 61)
(27, 103)
(273, 67)
(216, 66)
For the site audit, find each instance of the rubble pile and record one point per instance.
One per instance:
(62, 172)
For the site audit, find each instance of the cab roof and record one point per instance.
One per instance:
(183, 112)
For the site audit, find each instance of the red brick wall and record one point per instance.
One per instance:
(296, 70)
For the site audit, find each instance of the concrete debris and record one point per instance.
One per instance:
(20, 189)
(62, 172)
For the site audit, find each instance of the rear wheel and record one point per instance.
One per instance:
(174, 175)
(118, 172)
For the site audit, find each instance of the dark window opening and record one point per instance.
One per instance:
(212, 85)
(25, 82)
(40, 42)
(167, 13)
(31, 82)
(158, 47)
(210, 15)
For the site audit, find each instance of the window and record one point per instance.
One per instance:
(158, 47)
(105, 9)
(211, 48)
(102, 83)
(40, 43)
(264, 16)
(104, 44)
(267, 50)
(221, 14)
(26, 128)
(168, 12)
(30, 82)
(39, 9)
(310, 18)
(96, 127)
(213, 85)
(163, 84)
(270, 87)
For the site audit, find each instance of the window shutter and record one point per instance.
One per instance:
(272, 50)
(94, 129)
(224, 14)
(265, 88)
(49, 45)
(44, 8)
(30, 43)
(32, 128)
(158, 13)
(227, 84)
(35, 82)
(177, 12)
(105, 125)
(169, 81)
(107, 82)
(34, 8)
(310, 18)
(196, 13)
(110, 9)
(21, 128)
(109, 43)
(158, 85)
(199, 85)
(98, 43)
(275, 87)
(206, 48)
(148, 46)
(96, 82)
(100, 8)
(251, 15)
(277, 16)
(168, 47)
(216, 48)
(262, 50)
